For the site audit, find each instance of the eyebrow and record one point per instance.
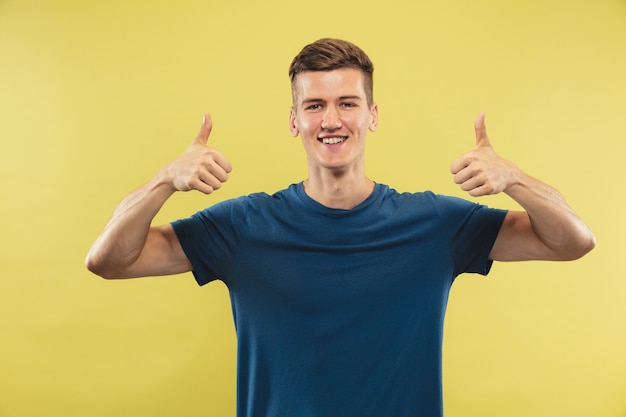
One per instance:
(318, 100)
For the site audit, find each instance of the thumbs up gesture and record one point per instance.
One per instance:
(481, 171)
(200, 168)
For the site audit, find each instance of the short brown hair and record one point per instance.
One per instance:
(329, 54)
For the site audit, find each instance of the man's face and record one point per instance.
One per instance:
(332, 117)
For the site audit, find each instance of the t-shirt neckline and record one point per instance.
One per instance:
(310, 203)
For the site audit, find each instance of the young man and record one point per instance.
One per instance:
(338, 284)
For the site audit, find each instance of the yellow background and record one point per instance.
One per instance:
(95, 96)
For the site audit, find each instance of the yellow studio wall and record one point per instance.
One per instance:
(95, 96)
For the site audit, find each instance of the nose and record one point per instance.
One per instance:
(331, 119)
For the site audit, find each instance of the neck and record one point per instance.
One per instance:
(338, 191)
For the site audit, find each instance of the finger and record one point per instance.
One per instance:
(481, 131)
(199, 185)
(211, 180)
(205, 129)
(459, 164)
(222, 162)
(462, 177)
(482, 190)
(219, 172)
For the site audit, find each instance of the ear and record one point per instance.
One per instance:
(374, 113)
(293, 128)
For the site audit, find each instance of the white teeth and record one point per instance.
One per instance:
(332, 141)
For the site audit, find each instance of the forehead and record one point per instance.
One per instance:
(327, 85)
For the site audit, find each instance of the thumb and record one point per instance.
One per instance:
(205, 130)
(481, 131)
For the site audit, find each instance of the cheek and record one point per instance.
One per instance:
(305, 125)
(361, 123)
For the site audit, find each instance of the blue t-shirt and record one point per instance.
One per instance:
(339, 312)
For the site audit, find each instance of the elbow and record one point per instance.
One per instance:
(588, 245)
(585, 244)
(99, 268)
(95, 268)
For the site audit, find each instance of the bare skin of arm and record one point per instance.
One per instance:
(547, 229)
(129, 246)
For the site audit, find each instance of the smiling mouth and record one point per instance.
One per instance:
(333, 140)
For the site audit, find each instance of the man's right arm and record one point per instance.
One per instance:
(129, 246)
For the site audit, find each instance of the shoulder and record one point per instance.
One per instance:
(421, 199)
(246, 205)
(443, 206)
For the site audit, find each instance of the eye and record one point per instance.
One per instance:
(313, 107)
(348, 104)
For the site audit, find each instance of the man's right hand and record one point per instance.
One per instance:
(200, 168)
(129, 246)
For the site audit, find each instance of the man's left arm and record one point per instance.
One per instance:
(548, 229)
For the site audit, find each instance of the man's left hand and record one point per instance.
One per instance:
(482, 171)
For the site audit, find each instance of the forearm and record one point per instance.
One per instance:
(553, 221)
(121, 242)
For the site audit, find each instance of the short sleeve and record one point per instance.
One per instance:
(472, 229)
(209, 240)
